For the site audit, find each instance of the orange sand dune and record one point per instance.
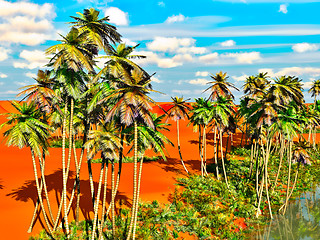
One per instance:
(18, 192)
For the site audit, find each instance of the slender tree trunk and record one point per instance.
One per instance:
(222, 160)
(282, 146)
(289, 172)
(104, 200)
(97, 201)
(227, 146)
(203, 156)
(113, 220)
(43, 179)
(178, 139)
(200, 151)
(135, 159)
(39, 192)
(215, 152)
(138, 194)
(64, 182)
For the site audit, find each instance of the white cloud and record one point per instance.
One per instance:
(1, 83)
(22, 83)
(31, 75)
(283, 8)
(228, 43)
(128, 42)
(297, 71)
(181, 91)
(26, 23)
(155, 79)
(307, 85)
(245, 57)
(117, 16)
(193, 49)
(161, 4)
(8, 9)
(267, 70)
(305, 47)
(153, 58)
(202, 74)
(209, 58)
(240, 78)
(164, 44)
(35, 59)
(198, 81)
(181, 58)
(3, 54)
(176, 18)
(2, 75)
(230, 58)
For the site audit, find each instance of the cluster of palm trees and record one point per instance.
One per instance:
(107, 108)
(110, 108)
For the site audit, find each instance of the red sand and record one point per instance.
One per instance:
(17, 185)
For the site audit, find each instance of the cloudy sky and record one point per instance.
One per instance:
(184, 41)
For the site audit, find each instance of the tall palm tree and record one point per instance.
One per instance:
(105, 141)
(97, 30)
(27, 129)
(315, 90)
(179, 110)
(132, 105)
(220, 86)
(42, 93)
(73, 54)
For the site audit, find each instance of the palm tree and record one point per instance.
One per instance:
(315, 90)
(202, 114)
(103, 140)
(132, 105)
(120, 61)
(27, 129)
(42, 93)
(220, 86)
(97, 30)
(73, 54)
(178, 110)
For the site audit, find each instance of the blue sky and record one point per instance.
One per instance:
(184, 41)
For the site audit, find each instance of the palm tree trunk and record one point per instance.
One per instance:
(96, 205)
(282, 147)
(268, 146)
(289, 172)
(178, 140)
(215, 152)
(39, 193)
(64, 184)
(112, 201)
(200, 150)
(203, 151)
(222, 160)
(294, 184)
(135, 159)
(104, 199)
(43, 179)
(138, 194)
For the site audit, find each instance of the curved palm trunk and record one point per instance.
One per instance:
(200, 150)
(39, 192)
(280, 162)
(104, 200)
(96, 205)
(43, 179)
(222, 160)
(138, 194)
(215, 152)
(135, 158)
(113, 220)
(288, 183)
(64, 184)
(178, 140)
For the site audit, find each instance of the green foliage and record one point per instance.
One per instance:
(57, 143)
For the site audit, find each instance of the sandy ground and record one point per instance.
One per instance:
(17, 185)
(18, 192)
